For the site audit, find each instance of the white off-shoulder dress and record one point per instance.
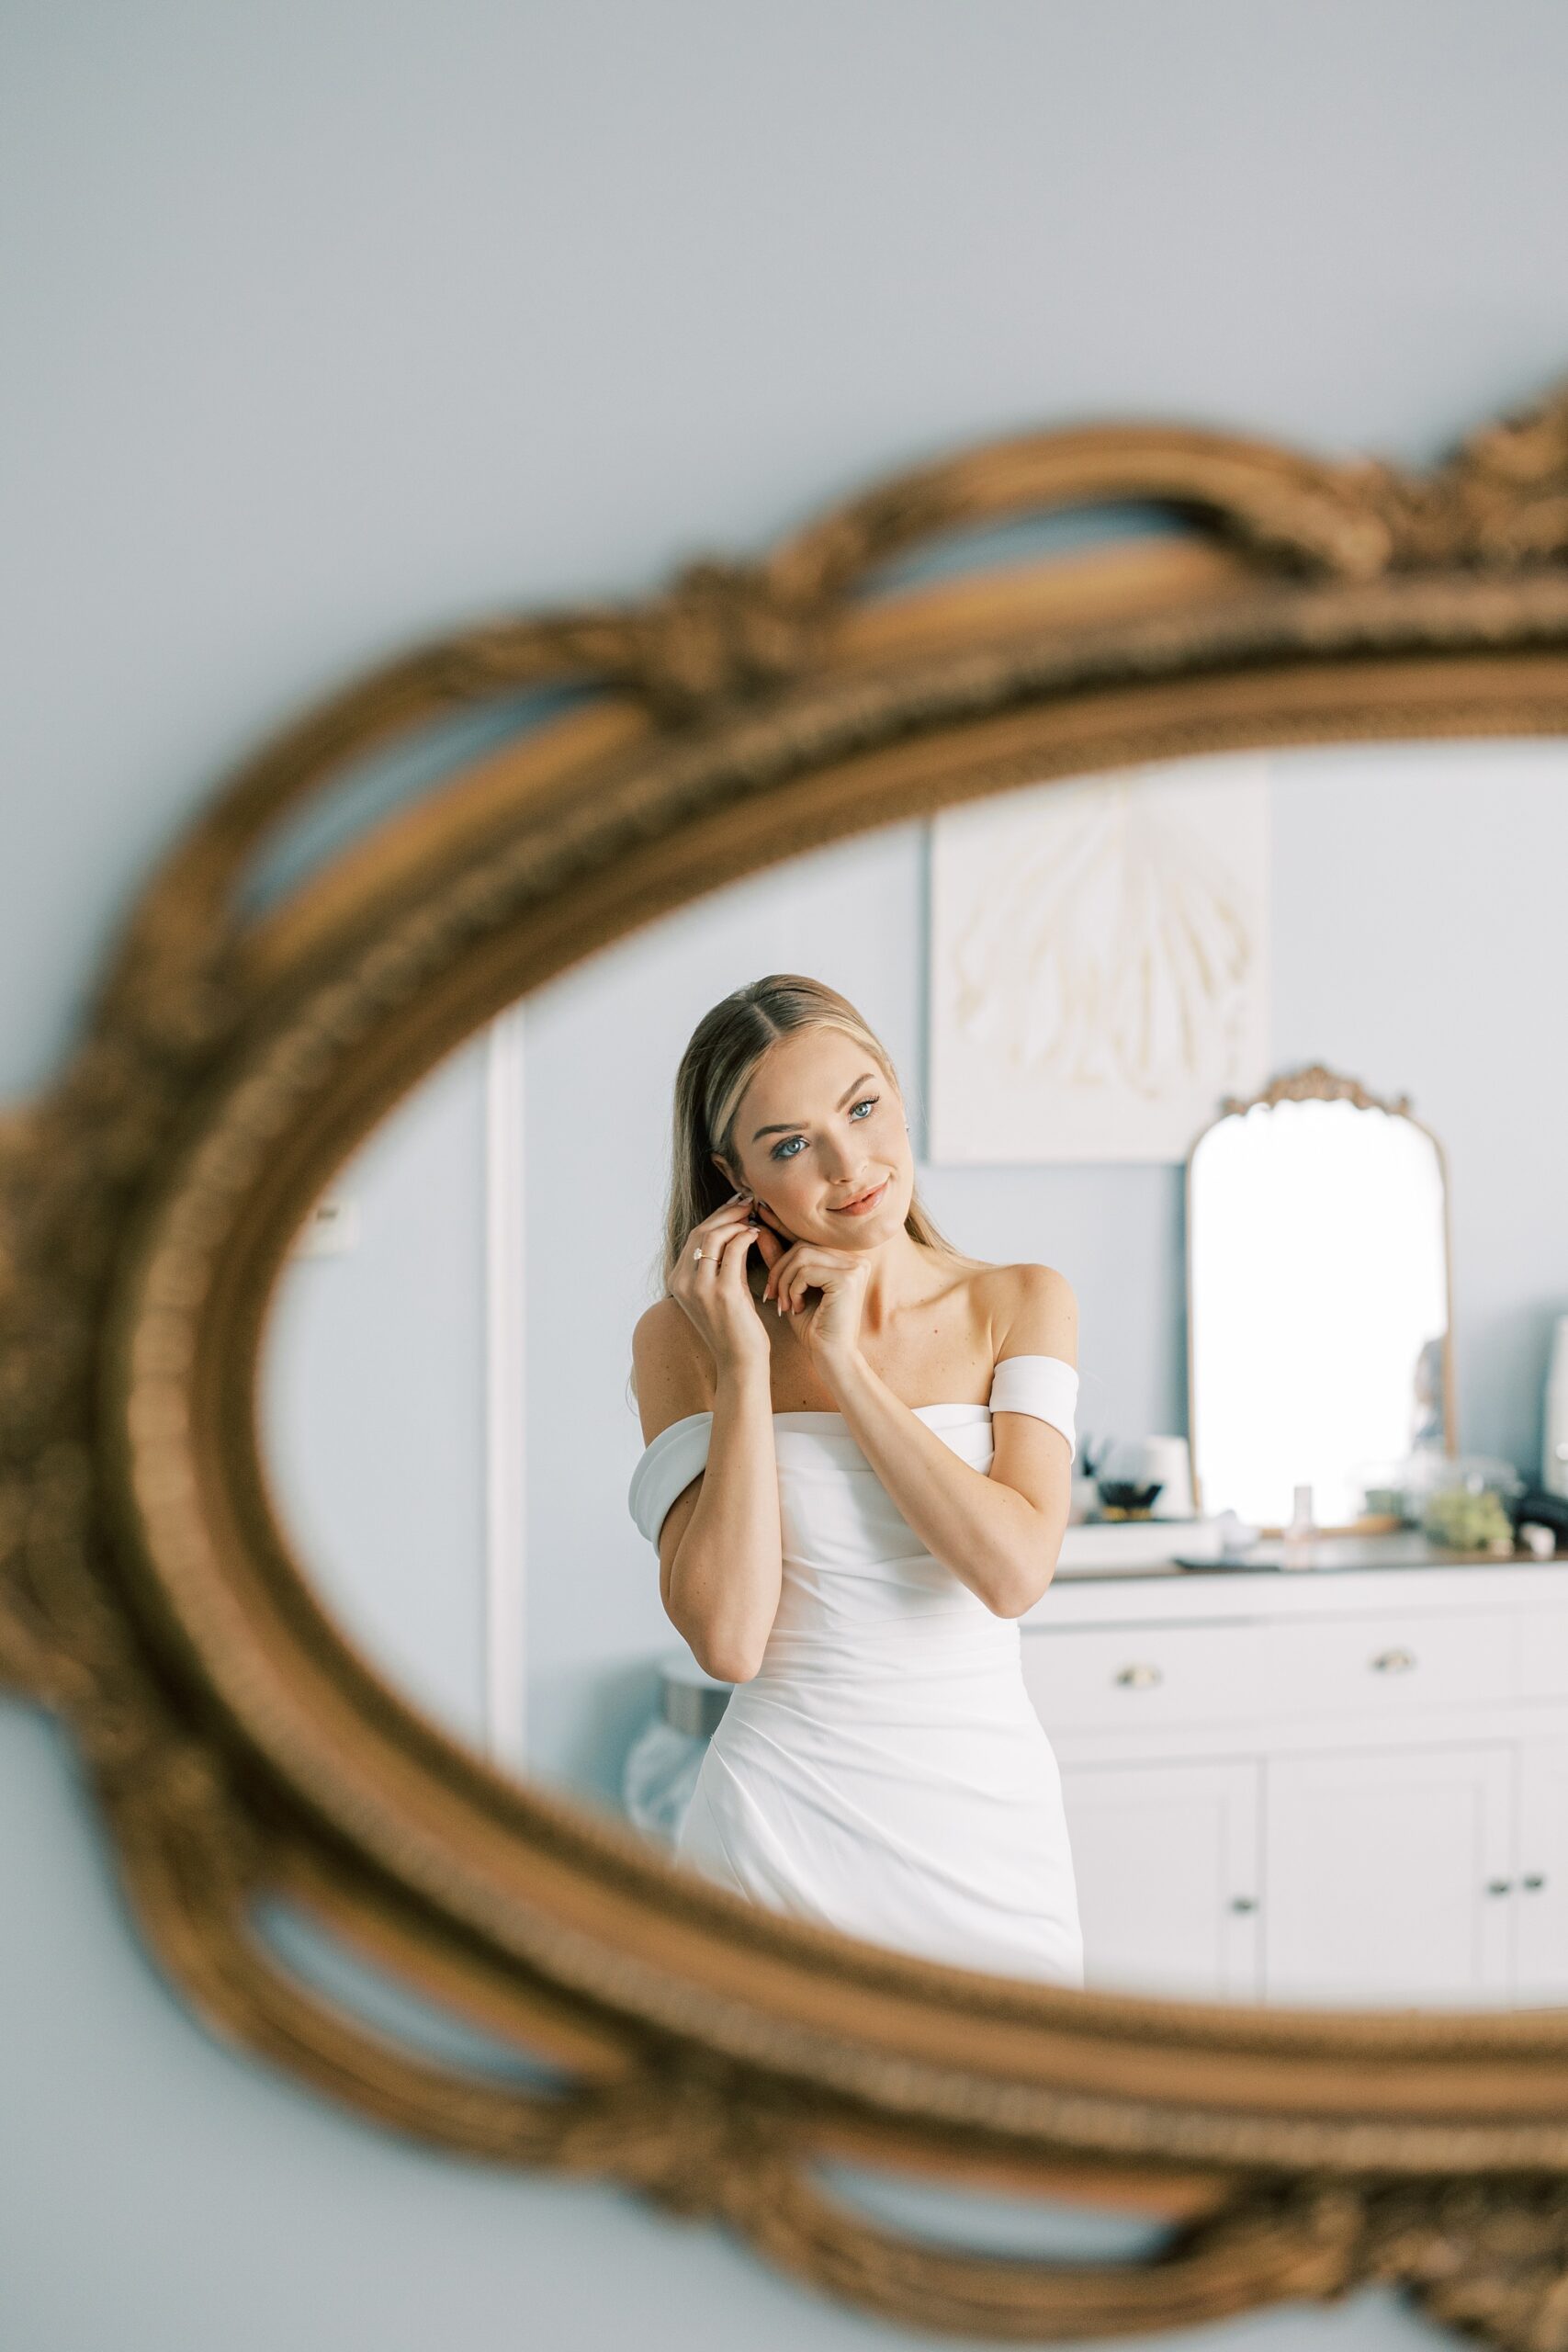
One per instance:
(885, 1772)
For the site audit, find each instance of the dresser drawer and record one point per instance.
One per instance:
(1112, 1680)
(1540, 1654)
(1384, 1664)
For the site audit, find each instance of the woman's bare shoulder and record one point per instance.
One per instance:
(1032, 1310)
(673, 1371)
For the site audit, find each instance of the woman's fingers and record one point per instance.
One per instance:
(715, 1233)
(716, 1246)
(794, 1274)
(733, 1217)
(803, 1269)
(714, 1229)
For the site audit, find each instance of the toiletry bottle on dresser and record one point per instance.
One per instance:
(1295, 1551)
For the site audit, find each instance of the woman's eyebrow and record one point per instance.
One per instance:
(839, 1105)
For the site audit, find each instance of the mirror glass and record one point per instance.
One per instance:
(1317, 1305)
(1326, 1765)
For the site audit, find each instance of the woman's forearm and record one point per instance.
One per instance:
(727, 1570)
(993, 1538)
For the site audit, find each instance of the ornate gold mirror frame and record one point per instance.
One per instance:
(687, 2044)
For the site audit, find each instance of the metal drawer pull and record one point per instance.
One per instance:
(1499, 1886)
(1534, 1880)
(1394, 1661)
(1244, 1902)
(1139, 1678)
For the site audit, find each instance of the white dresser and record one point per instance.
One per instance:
(1324, 1786)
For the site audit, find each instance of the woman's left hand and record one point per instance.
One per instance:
(829, 1327)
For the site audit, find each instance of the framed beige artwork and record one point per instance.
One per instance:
(1099, 963)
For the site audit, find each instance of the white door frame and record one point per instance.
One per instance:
(505, 1660)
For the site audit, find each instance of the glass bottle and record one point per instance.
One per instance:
(1295, 1552)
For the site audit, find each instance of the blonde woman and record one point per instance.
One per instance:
(858, 1451)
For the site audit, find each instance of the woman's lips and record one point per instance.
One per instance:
(866, 1203)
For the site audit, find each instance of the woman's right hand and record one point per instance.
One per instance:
(713, 1290)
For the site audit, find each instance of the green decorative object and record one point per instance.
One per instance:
(1468, 1521)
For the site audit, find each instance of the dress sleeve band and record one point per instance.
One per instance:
(674, 1458)
(1046, 1386)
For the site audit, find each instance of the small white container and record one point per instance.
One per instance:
(1169, 1459)
(1162, 1462)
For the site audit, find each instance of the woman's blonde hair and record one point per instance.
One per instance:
(721, 1057)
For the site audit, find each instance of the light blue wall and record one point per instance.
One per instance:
(326, 327)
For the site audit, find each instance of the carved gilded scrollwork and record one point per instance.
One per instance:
(1501, 501)
(704, 2055)
(1314, 1082)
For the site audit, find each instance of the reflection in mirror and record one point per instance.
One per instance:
(1313, 1215)
(846, 1531)
(1325, 1768)
(374, 1395)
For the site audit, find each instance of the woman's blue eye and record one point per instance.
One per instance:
(780, 1151)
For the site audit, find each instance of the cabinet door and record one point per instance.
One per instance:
(1166, 1861)
(1388, 1876)
(1540, 1905)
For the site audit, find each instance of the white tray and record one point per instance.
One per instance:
(1134, 1546)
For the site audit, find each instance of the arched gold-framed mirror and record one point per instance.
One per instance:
(1313, 1208)
(249, 1032)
